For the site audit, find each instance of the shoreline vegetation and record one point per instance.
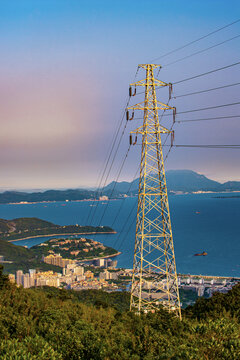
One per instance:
(48, 235)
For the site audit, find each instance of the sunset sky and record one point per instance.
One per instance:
(65, 71)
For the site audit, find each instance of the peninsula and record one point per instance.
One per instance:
(23, 228)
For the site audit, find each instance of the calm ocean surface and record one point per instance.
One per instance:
(201, 222)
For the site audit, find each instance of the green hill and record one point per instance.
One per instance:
(42, 324)
(13, 252)
(21, 224)
(22, 259)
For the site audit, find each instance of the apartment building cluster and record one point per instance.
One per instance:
(33, 278)
(58, 260)
(206, 285)
(73, 276)
(100, 282)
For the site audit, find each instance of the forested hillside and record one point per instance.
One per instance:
(56, 324)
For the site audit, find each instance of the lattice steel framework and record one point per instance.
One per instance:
(154, 279)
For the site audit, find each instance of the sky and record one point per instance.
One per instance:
(65, 72)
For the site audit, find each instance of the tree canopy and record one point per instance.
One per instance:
(57, 324)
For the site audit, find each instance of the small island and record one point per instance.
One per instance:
(204, 253)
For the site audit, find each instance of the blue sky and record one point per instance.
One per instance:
(65, 70)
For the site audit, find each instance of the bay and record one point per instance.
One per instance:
(201, 222)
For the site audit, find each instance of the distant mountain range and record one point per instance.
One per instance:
(177, 181)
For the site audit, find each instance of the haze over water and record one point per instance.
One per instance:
(201, 222)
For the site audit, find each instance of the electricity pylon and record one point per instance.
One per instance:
(154, 279)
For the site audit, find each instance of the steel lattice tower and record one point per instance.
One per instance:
(154, 279)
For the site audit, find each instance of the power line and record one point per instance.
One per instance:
(194, 41)
(108, 159)
(123, 199)
(110, 154)
(207, 108)
(211, 118)
(110, 168)
(207, 90)
(208, 146)
(201, 51)
(119, 173)
(206, 73)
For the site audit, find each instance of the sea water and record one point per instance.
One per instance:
(200, 222)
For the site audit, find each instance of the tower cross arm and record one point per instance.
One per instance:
(158, 106)
(153, 66)
(156, 82)
(142, 130)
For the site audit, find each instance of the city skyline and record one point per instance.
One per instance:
(65, 72)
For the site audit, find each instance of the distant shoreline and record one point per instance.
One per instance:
(84, 233)
(172, 192)
(54, 201)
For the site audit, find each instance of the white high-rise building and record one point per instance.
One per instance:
(19, 275)
(32, 272)
(26, 281)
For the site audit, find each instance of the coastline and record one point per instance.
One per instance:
(84, 233)
(53, 201)
(101, 257)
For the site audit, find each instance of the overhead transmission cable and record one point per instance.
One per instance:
(108, 159)
(113, 189)
(101, 184)
(204, 91)
(201, 51)
(123, 199)
(206, 73)
(110, 167)
(211, 118)
(221, 146)
(196, 40)
(208, 108)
